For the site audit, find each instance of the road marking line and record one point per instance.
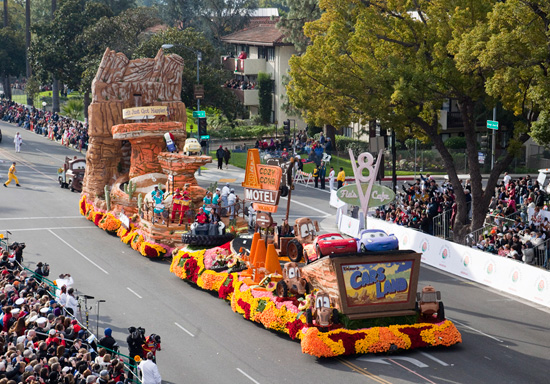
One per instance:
(307, 206)
(435, 359)
(128, 288)
(47, 154)
(363, 371)
(40, 217)
(185, 330)
(30, 165)
(77, 251)
(247, 375)
(476, 330)
(411, 371)
(43, 229)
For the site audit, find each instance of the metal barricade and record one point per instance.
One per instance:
(442, 225)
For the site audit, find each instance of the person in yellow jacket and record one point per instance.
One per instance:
(315, 175)
(11, 176)
(341, 178)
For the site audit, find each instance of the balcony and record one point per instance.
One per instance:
(243, 66)
(248, 97)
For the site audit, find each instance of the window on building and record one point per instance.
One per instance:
(347, 131)
(270, 54)
(261, 53)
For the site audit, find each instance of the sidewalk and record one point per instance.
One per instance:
(232, 175)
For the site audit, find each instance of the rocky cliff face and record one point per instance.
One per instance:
(122, 83)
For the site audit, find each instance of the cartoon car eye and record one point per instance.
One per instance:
(291, 273)
(381, 234)
(319, 302)
(326, 302)
(372, 235)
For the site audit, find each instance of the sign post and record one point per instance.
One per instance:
(493, 124)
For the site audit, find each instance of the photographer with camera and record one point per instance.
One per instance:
(42, 270)
(135, 341)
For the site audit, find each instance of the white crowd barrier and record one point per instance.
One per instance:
(507, 275)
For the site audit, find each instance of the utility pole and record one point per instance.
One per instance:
(493, 145)
(28, 44)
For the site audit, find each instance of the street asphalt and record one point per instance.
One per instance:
(505, 340)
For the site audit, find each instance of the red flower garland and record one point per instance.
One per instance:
(191, 269)
(414, 335)
(294, 327)
(246, 307)
(226, 288)
(348, 340)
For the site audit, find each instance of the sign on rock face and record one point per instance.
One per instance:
(380, 195)
(148, 112)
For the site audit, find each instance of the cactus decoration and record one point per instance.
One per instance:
(213, 187)
(107, 197)
(140, 204)
(130, 188)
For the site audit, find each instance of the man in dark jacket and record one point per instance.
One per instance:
(108, 341)
(220, 153)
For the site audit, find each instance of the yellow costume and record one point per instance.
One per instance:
(11, 176)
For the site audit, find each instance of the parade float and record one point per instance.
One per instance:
(327, 305)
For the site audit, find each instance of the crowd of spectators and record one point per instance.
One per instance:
(420, 202)
(513, 232)
(69, 132)
(41, 342)
(510, 232)
(240, 84)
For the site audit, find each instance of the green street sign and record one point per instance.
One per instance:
(199, 114)
(492, 124)
(205, 137)
(379, 195)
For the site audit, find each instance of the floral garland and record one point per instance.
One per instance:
(131, 236)
(286, 315)
(110, 223)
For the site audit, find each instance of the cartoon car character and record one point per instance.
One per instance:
(376, 240)
(72, 174)
(329, 244)
(192, 146)
(429, 302)
(321, 314)
(292, 281)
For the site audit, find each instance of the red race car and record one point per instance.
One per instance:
(329, 244)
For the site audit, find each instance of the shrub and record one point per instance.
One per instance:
(455, 143)
(344, 143)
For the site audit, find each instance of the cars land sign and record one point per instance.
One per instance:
(264, 220)
(377, 283)
(380, 195)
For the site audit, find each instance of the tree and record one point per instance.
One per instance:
(118, 6)
(395, 62)
(265, 95)
(212, 76)
(514, 47)
(222, 17)
(292, 23)
(56, 49)
(12, 55)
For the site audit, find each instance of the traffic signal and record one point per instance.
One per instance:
(202, 126)
(485, 143)
(286, 127)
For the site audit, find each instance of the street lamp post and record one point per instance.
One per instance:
(44, 106)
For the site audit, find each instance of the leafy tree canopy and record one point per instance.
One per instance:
(186, 43)
(292, 22)
(56, 48)
(398, 62)
(12, 52)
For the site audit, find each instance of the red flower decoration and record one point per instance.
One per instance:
(294, 327)
(348, 340)
(246, 307)
(191, 269)
(414, 335)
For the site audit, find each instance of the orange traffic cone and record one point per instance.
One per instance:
(255, 239)
(259, 261)
(272, 261)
